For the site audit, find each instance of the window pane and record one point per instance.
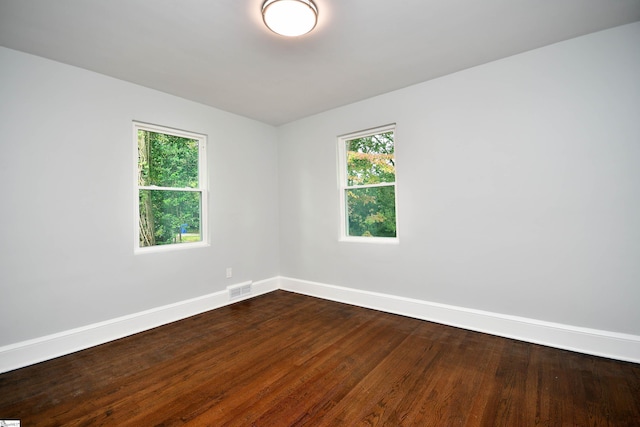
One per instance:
(167, 160)
(370, 160)
(168, 217)
(372, 211)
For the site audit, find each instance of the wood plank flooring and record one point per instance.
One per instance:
(285, 359)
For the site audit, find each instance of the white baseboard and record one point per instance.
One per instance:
(37, 350)
(584, 340)
(590, 341)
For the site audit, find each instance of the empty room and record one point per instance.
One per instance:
(297, 212)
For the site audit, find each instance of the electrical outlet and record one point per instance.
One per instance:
(229, 272)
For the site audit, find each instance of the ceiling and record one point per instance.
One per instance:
(219, 53)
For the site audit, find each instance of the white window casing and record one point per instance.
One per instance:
(344, 186)
(201, 188)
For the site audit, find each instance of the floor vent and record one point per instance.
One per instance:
(240, 290)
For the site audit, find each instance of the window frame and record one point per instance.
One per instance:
(202, 188)
(343, 187)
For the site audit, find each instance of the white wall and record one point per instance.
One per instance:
(66, 206)
(519, 194)
(518, 188)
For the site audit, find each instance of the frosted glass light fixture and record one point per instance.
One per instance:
(290, 18)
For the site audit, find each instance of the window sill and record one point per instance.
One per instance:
(371, 240)
(170, 248)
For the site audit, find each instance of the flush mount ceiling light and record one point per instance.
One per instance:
(290, 17)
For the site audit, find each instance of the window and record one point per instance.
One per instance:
(171, 185)
(368, 185)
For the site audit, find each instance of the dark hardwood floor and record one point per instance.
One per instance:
(284, 359)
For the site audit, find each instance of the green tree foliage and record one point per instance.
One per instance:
(371, 210)
(167, 161)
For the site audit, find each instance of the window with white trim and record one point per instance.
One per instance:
(171, 183)
(368, 185)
